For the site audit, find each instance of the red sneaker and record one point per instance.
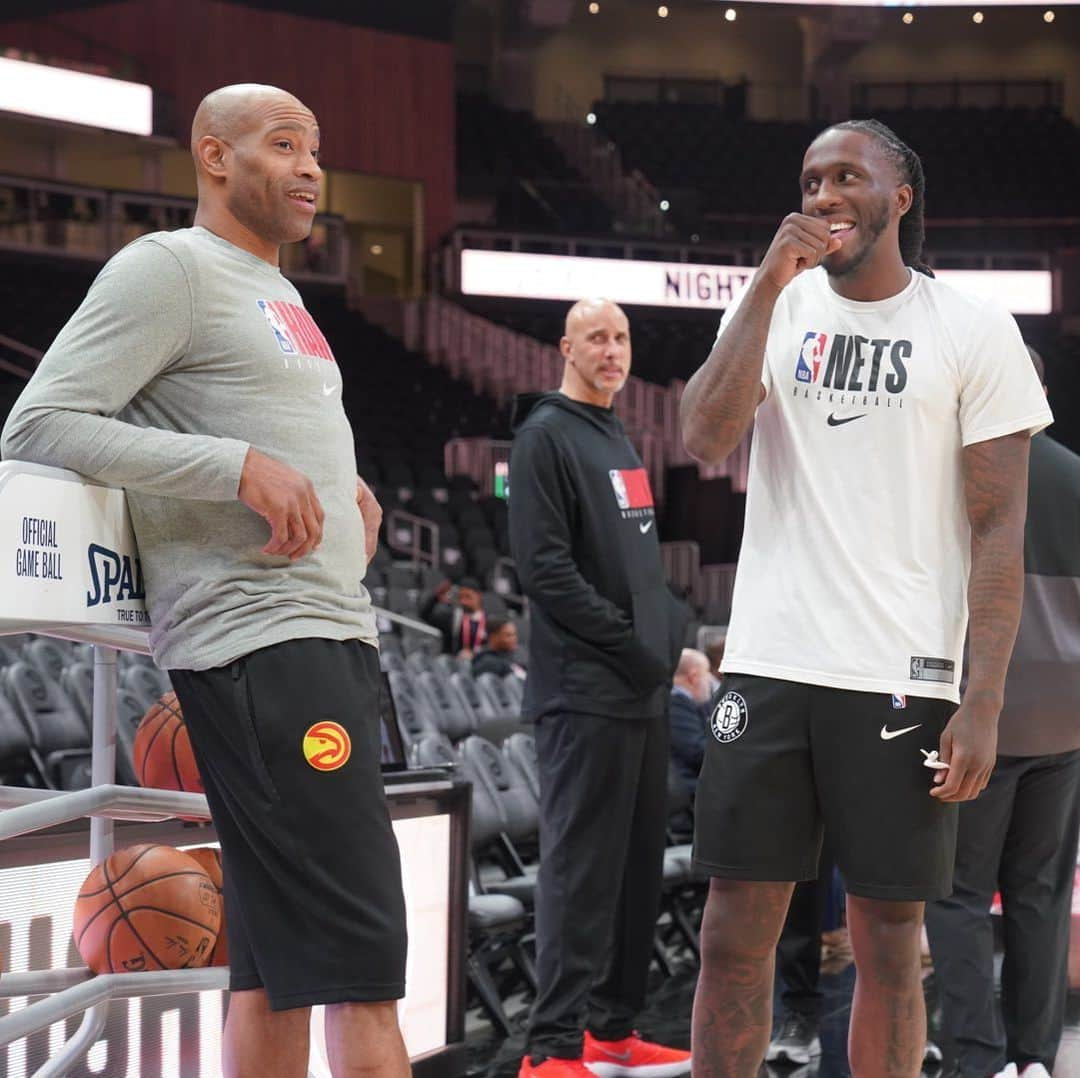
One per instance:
(554, 1068)
(633, 1057)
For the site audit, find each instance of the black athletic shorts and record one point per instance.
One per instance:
(786, 762)
(287, 742)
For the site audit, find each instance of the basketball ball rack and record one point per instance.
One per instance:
(70, 570)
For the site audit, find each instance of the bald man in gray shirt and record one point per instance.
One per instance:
(193, 376)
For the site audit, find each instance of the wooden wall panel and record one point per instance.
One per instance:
(385, 102)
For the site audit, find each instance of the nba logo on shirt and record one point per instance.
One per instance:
(281, 331)
(810, 356)
(899, 701)
(631, 486)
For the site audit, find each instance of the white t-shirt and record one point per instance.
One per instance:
(856, 551)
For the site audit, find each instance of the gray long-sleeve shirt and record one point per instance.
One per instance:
(187, 351)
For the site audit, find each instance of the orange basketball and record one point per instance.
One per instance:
(163, 756)
(210, 860)
(146, 907)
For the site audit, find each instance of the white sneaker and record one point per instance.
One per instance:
(796, 1042)
(1035, 1070)
(1010, 1071)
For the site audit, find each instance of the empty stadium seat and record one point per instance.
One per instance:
(452, 715)
(55, 724)
(520, 749)
(500, 693)
(147, 683)
(478, 703)
(48, 655)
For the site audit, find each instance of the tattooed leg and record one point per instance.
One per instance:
(888, 1012)
(733, 1004)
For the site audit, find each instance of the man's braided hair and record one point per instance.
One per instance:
(909, 167)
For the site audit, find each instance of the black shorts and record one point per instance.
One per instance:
(314, 908)
(786, 762)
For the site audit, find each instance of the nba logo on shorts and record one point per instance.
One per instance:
(810, 355)
(729, 718)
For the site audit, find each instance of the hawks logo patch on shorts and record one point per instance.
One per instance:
(729, 718)
(327, 746)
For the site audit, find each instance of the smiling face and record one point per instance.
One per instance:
(848, 180)
(273, 185)
(257, 155)
(596, 348)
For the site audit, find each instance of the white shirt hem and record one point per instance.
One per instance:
(904, 686)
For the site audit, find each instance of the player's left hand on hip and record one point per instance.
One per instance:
(371, 514)
(969, 748)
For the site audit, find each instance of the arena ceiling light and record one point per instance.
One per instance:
(914, 3)
(689, 284)
(54, 93)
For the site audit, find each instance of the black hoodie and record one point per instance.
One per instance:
(606, 632)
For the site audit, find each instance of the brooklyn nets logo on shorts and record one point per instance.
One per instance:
(729, 718)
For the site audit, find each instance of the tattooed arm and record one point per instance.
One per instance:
(995, 489)
(718, 404)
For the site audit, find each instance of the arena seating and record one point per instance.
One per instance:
(505, 154)
(46, 703)
(706, 161)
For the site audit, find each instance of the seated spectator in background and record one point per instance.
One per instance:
(500, 655)
(688, 709)
(714, 650)
(458, 613)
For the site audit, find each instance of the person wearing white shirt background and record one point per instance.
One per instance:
(886, 497)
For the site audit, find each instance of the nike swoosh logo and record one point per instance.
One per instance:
(623, 1056)
(834, 422)
(888, 735)
(327, 390)
(644, 528)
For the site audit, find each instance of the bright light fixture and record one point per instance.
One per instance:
(54, 93)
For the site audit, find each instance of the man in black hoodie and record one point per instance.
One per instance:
(606, 635)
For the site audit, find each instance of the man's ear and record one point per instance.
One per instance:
(212, 154)
(905, 196)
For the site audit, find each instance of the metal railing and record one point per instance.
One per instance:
(414, 536)
(476, 458)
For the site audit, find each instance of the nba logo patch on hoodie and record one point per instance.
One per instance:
(631, 488)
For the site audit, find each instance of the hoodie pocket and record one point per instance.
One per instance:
(658, 630)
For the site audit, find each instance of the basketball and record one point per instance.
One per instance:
(210, 860)
(163, 756)
(147, 907)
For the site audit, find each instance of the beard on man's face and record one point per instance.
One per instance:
(874, 227)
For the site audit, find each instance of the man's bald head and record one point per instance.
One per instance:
(596, 347)
(256, 151)
(690, 661)
(585, 310)
(692, 674)
(230, 112)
